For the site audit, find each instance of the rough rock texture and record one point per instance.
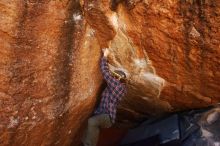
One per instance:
(48, 79)
(181, 39)
(50, 52)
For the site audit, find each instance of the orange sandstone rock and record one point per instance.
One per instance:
(49, 62)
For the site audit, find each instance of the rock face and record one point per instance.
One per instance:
(48, 79)
(50, 52)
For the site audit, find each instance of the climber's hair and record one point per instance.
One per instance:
(119, 75)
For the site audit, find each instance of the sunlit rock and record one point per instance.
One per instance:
(50, 80)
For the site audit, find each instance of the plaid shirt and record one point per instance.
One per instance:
(113, 93)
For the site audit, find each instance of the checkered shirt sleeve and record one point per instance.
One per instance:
(112, 93)
(111, 81)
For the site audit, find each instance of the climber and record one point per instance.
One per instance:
(104, 116)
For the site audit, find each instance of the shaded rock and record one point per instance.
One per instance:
(207, 132)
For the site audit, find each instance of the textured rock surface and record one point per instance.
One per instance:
(50, 51)
(48, 79)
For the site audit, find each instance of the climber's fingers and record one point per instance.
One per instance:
(105, 52)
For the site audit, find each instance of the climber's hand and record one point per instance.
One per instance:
(105, 52)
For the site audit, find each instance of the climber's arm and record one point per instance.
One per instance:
(105, 70)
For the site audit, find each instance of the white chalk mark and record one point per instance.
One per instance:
(194, 32)
(13, 122)
(141, 63)
(77, 17)
(114, 20)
